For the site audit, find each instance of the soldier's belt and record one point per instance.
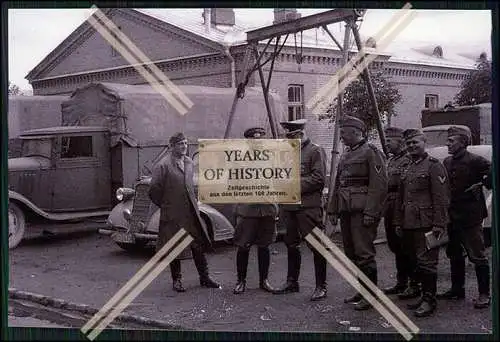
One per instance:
(353, 182)
(393, 188)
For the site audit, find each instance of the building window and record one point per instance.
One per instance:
(431, 101)
(295, 102)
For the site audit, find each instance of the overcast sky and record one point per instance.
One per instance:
(34, 33)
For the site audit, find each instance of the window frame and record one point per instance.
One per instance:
(297, 107)
(429, 99)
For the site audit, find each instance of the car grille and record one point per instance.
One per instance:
(140, 210)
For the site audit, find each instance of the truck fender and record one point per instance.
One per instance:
(218, 225)
(28, 205)
(116, 217)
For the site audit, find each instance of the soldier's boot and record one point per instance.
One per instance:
(264, 259)
(412, 291)
(363, 304)
(457, 290)
(320, 273)
(483, 282)
(428, 305)
(413, 306)
(241, 270)
(401, 276)
(175, 270)
(201, 264)
(292, 284)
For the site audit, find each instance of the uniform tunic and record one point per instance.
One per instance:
(467, 209)
(360, 189)
(422, 203)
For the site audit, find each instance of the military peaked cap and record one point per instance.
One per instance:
(411, 133)
(293, 127)
(351, 121)
(459, 130)
(254, 132)
(394, 132)
(174, 139)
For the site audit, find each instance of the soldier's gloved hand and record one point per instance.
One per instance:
(438, 232)
(368, 220)
(334, 219)
(398, 231)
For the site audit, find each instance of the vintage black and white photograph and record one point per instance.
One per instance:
(111, 110)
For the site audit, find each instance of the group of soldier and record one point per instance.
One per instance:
(414, 193)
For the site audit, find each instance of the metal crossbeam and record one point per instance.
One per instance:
(302, 24)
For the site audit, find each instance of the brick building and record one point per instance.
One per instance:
(206, 47)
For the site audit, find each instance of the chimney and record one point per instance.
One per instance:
(282, 15)
(206, 19)
(222, 16)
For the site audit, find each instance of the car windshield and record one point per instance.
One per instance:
(37, 147)
(436, 138)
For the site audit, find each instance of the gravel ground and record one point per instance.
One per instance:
(90, 269)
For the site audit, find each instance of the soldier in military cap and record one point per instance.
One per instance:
(422, 207)
(468, 172)
(359, 196)
(397, 164)
(255, 224)
(299, 220)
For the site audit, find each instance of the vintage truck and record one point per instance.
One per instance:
(109, 137)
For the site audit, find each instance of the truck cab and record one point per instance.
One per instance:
(62, 175)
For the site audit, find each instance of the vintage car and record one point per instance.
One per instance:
(486, 151)
(63, 176)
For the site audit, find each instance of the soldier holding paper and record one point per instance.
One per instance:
(468, 172)
(359, 197)
(422, 207)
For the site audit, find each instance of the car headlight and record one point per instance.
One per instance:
(122, 194)
(127, 214)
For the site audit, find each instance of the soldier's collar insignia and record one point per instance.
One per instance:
(378, 168)
(442, 179)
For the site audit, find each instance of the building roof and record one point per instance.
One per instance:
(463, 57)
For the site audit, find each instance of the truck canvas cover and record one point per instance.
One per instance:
(139, 115)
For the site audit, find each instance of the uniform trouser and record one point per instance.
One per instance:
(423, 262)
(358, 241)
(199, 260)
(298, 223)
(471, 240)
(395, 244)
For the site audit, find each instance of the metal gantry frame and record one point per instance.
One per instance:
(275, 32)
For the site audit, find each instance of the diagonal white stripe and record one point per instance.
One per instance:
(140, 287)
(134, 280)
(382, 43)
(355, 270)
(354, 283)
(140, 69)
(141, 56)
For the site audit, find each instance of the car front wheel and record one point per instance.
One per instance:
(17, 225)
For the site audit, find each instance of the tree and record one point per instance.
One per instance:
(477, 86)
(357, 101)
(14, 89)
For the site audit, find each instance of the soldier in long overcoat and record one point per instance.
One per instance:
(255, 225)
(360, 193)
(300, 219)
(172, 190)
(468, 172)
(396, 166)
(422, 207)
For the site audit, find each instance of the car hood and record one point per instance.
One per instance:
(28, 163)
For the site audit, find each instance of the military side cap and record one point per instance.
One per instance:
(394, 132)
(411, 133)
(351, 121)
(254, 132)
(174, 139)
(459, 130)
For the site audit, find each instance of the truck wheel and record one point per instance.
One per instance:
(134, 247)
(17, 225)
